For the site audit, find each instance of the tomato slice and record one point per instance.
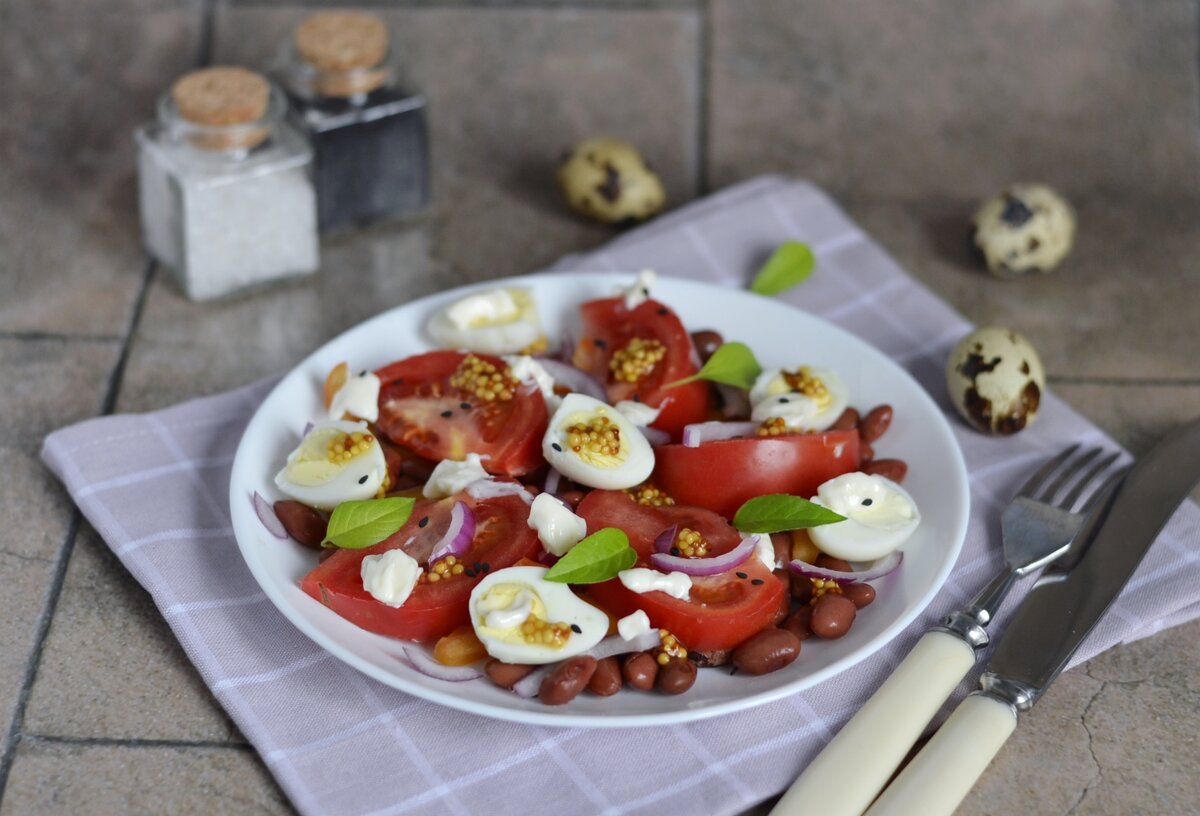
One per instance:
(422, 410)
(608, 330)
(433, 609)
(721, 475)
(722, 610)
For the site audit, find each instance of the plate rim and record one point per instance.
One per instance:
(557, 717)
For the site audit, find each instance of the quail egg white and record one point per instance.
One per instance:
(880, 516)
(497, 321)
(592, 443)
(337, 461)
(522, 618)
(996, 379)
(805, 398)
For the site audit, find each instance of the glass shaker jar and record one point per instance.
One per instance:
(225, 195)
(371, 154)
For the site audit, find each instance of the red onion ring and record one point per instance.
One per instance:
(699, 432)
(655, 436)
(666, 539)
(579, 381)
(880, 568)
(307, 430)
(266, 514)
(459, 534)
(426, 665)
(704, 566)
(611, 646)
(553, 478)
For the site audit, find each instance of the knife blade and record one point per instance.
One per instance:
(1051, 623)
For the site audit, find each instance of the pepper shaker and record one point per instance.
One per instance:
(368, 134)
(224, 190)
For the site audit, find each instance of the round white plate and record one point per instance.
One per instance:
(779, 335)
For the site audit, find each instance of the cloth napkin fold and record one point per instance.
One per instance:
(340, 743)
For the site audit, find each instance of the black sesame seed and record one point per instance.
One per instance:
(556, 446)
(599, 343)
(423, 521)
(637, 397)
(783, 399)
(575, 628)
(675, 551)
(741, 574)
(476, 567)
(362, 373)
(486, 566)
(447, 414)
(757, 581)
(867, 502)
(466, 406)
(662, 311)
(733, 671)
(646, 291)
(363, 480)
(470, 573)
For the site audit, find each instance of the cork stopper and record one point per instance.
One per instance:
(220, 99)
(345, 49)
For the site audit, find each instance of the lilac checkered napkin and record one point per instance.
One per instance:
(340, 743)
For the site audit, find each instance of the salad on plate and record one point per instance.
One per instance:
(612, 510)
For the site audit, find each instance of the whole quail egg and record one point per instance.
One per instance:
(1026, 228)
(996, 379)
(608, 180)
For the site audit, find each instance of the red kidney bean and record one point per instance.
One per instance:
(306, 525)
(640, 670)
(706, 342)
(799, 623)
(572, 498)
(606, 680)
(846, 421)
(865, 452)
(830, 563)
(832, 616)
(859, 594)
(802, 588)
(563, 685)
(505, 675)
(768, 651)
(677, 676)
(875, 423)
(894, 469)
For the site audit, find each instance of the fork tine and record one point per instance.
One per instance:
(1036, 480)
(1086, 479)
(1061, 479)
(1105, 487)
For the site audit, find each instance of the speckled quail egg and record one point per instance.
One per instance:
(522, 618)
(996, 379)
(1027, 228)
(594, 444)
(337, 461)
(608, 180)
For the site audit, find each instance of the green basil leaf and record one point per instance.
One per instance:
(789, 265)
(355, 525)
(596, 558)
(731, 364)
(779, 512)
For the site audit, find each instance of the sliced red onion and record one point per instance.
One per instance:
(655, 436)
(426, 665)
(735, 402)
(878, 569)
(266, 514)
(459, 534)
(571, 377)
(611, 646)
(482, 489)
(666, 539)
(553, 478)
(704, 566)
(307, 430)
(699, 432)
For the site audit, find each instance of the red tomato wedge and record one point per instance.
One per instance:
(420, 409)
(502, 538)
(723, 474)
(608, 330)
(722, 611)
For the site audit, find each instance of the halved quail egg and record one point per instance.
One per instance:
(805, 398)
(880, 516)
(594, 444)
(337, 461)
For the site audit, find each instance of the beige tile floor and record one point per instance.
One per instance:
(908, 113)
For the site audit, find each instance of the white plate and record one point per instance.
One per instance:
(779, 335)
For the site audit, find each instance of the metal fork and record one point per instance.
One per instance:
(1038, 526)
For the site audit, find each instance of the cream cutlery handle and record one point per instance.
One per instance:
(946, 769)
(858, 762)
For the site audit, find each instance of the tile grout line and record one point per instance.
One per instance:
(1163, 382)
(14, 737)
(60, 337)
(703, 100)
(133, 742)
(516, 5)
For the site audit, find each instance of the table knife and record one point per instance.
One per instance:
(1052, 621)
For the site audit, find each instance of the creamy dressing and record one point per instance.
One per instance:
(557, 527)
(639, 292)
(527, 369)
(633, 624)
(390, 577)
(484, 309)
(642, 580)
(639, 413)
(449, 476)
(359, 397)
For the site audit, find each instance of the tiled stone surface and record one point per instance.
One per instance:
(940, 98)
(69, 245)
(50, 778)
(136, 686)
(47, 384)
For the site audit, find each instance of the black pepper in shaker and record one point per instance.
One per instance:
(369, 137)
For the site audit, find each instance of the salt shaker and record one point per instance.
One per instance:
(223, 180)
(368, 134)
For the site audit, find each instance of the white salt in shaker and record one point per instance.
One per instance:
(223, 180)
